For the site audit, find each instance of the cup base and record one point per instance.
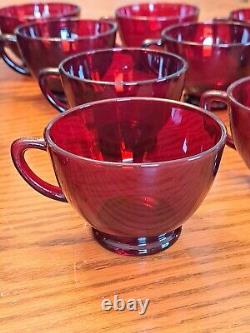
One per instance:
(140, 246)
(195, 100)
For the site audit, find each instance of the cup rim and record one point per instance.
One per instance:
(113, 29)
(158, 18)
(125, 83)
(211, 22)
(58, 149)
(232, 87)
(75, 9)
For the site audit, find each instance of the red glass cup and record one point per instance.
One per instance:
(135, 168)
(242, 14)
(45, 44)
(237, 98)
(117, 72)
(146, 20)
(13, 16)
(217, 52)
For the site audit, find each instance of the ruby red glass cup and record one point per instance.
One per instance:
(242, 14)
(46, 43)
(218, 53)
(146, 20)
(13, 16)
(118, 72)
(237, 98)
(135, 168)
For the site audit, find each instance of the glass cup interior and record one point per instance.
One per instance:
(66, 29)
(135, 131)
(38, 10)
(123, 65)
(210, 33)
(156, 10)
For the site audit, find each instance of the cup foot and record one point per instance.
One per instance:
(195, 100)
(140, 246)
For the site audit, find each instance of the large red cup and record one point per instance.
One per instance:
(13, 16)
(237, 98)
(146, 20)
(118, 72)
(217, 52)
(135, 168)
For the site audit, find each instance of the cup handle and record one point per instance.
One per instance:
(5, 40)
(18, 149)
(151, 42)
(206, 101)
(43, 78)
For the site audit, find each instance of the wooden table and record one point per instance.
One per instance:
(53, 275)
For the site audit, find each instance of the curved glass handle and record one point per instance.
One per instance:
(8, 40)
(18, 149)
(43, 78)
(211, 96)
(152, 42)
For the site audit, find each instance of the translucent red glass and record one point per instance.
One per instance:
(218, 53)
(146, 20)
(135, 168)
(46, 44)
(34, 11)
(120, 72)
(242, 14)
(237, 98)
(13, 16)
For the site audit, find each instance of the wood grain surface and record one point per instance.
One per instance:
(53, 275)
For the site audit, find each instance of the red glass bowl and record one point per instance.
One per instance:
(13, 16)
(118, 72)
(218, 53)
(135, 168)
(146, 20)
